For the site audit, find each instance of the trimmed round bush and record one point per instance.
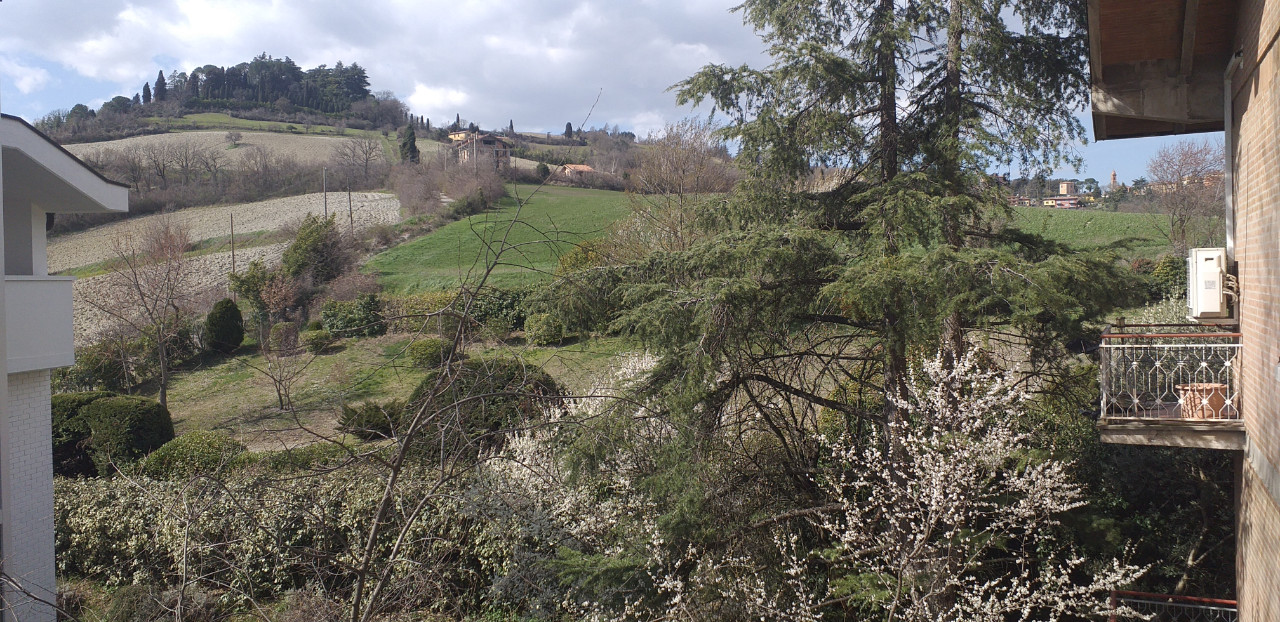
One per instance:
(316, 341)
(224, 327)
(200, 452)
(469, 407)
(541, 329)
(71, 433)
(124, 428)
(428, 352)
(371, 421)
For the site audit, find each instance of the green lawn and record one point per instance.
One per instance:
(1133, 235)
(234, 397)
(527, 245)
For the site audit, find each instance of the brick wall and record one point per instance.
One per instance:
(1256, 112)
(28, 533)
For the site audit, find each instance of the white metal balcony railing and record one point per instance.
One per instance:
(38, 322)
(1165, 608)
(1169, 371)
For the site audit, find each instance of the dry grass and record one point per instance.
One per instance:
(94, 246)
(303, 148)
(205, 223)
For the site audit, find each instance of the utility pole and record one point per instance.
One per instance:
(324, 185)
(350, 217)
(233, 248)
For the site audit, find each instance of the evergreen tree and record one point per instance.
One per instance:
(511, 127)
(137, 101)
(568, 130)
(146, 93)
(161, 91)
(409, 146)
(903, 248)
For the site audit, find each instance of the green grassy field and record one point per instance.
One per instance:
(1132, 235)
(527, 245)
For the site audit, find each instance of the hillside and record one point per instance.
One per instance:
(1132, 235)
(304, 148)
(551, 223)
(83, 253)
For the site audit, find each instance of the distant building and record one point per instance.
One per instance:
(1066, 188)
(1061, 202)
(486, 149)
(575, 172)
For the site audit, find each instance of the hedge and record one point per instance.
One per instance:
(361, 317)
(199, 452)
(91, 431)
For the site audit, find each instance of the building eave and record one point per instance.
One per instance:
(1156, 65)
(41, 172)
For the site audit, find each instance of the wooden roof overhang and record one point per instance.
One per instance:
(1157, 66)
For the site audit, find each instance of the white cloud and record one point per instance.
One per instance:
(27, 79)
(435, 101)
(537, 63)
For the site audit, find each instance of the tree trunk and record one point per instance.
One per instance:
(164, 371)
(953, 345)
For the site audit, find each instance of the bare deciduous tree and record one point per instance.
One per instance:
(358, 156)
(1186, 181)
(150, 284)
(681, 170)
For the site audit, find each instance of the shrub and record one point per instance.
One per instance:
(587, 254)
(224, 327)
(371, 420)
(407, 313)
(120, 429)
(71, 433)
(97, 366)
(428, 352)
(501, 309)
(134, 602)
(542, 329)
(361, 317)
(315, 325)
(199, 452)
(294, 459)
(317, 341)
(316, 249)
(284, 338)
(468, 406)
(544, 171)
(1169, 277)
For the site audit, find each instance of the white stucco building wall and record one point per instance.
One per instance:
(37, 177)
(29, 516)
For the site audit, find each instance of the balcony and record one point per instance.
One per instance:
(1174, 385)
(37, 311)
(1166, 608)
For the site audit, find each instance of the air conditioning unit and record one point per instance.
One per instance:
(1207, 284)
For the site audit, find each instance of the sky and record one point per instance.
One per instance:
(538, 64)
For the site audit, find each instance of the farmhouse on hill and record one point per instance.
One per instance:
(37, 178)
(575, 172)
(482, 148)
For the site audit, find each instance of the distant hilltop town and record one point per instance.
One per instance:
(1074, 194)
